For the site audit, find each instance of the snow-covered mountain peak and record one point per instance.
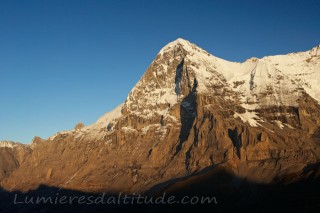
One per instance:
(279, 75)
(173, 44)
(182, 69)
(9, 144)
(180, 43)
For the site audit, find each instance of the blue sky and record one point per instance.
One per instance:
(64, 62)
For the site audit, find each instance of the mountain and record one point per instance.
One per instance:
(189, 113)
(12, 154)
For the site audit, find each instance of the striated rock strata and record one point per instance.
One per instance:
(191, 111)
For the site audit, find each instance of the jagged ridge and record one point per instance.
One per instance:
(191, 110)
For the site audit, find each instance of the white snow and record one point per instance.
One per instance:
(145, 129)
(128, 129)
(110, 116)
(266, 128)
(289, 126)
(250, 117)
(269, 81)
(9, 144)
(302, 67)
(93, 131)
(156, 128)
(186, 44)
(59, 133)
(279, 123)
(260, 82)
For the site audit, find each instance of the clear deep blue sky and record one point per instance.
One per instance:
(62, 62)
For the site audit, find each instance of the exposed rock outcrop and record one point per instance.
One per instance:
(12, 155)
(189, 111)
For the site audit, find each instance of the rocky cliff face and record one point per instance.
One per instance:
(12, 154)
(190, 111)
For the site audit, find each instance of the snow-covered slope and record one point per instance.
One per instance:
(281, 74)
(93, 131)
(302, 67)
(257, 83)
(9, 144)
(271, 81)
(190, 111)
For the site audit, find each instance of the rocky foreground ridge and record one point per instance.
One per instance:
(190, 111)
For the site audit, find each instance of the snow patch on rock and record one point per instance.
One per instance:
(248, 117)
